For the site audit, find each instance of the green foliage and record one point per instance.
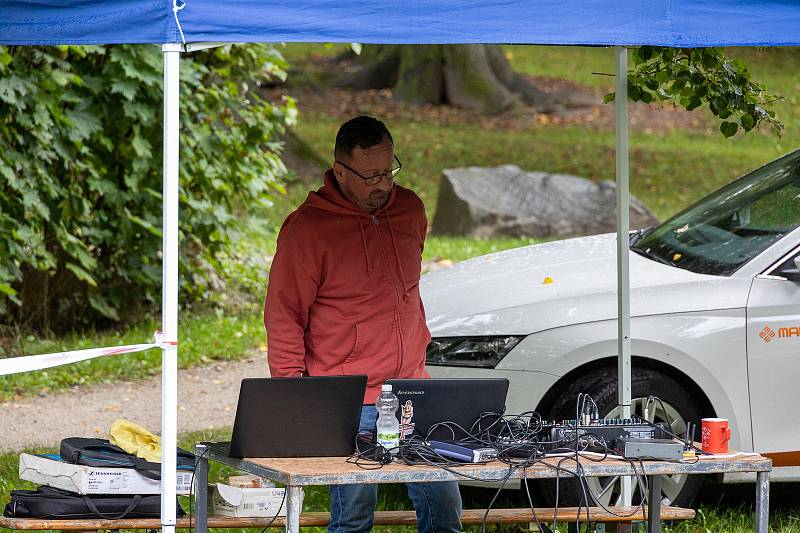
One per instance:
(81, 160)
(691, 77)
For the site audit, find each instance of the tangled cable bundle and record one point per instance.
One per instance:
(521, 443)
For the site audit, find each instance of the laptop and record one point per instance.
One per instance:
(425, 403)
(298, 417)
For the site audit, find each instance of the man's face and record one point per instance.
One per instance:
(368, 162)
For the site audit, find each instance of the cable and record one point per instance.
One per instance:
(191, 484)
(530, 501)
(278, 512)
(491, 503)
(191, 491)
(523, 441)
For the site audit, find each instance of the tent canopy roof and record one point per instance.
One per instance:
(676, 23)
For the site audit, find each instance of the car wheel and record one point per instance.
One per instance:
(679, 407)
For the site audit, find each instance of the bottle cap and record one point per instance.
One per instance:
(386, 387)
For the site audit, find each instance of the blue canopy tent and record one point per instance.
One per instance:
(677, 23)
(195, 24)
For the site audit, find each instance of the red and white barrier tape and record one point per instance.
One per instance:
(28, 363)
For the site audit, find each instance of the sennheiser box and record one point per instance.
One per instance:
(51, 470)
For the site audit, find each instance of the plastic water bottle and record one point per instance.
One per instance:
(388, 427)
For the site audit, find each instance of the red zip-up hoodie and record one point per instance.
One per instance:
(343, 294)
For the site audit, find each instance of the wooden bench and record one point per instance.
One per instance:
(627, 515)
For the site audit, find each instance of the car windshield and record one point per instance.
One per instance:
(723, 231)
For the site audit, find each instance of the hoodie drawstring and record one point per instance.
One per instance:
(364, 244)
(397, 257)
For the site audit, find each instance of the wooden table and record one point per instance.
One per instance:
(296, 473)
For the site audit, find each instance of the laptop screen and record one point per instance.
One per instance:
(448, 409)
(298, 417)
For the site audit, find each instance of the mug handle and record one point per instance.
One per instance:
(727, 434)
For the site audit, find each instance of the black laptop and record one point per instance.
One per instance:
(427, 403)
(298, 417)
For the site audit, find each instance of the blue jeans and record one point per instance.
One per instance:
(437, 504)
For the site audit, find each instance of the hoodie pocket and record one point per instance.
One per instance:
(415, 342)
(375, 351)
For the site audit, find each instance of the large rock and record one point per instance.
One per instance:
(508, 201)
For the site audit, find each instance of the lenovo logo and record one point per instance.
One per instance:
(411, 392)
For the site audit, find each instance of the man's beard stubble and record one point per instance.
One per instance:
(378, 198)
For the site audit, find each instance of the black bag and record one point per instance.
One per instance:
(50, 502)
(100, 452)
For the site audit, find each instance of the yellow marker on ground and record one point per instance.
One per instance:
(547, 280)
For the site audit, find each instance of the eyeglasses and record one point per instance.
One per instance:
(376, 179)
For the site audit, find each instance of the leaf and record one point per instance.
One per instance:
(83, 123)
(728, 129)
(126, 88)
(5, 57)
(141, 146)
(102, 306)
(729, 69)
(694, 103)
(697, 78)
(718, 103)
(710, 58)
(8, 91)
(7, 289)
(747, 121)
(145, 224)
(81, 274)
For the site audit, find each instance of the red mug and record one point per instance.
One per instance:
(716, 435)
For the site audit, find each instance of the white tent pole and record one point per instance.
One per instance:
(623, 273)
(169, 297)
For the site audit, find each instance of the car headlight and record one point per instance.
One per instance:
(482, 352)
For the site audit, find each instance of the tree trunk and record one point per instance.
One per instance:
(34, 296)
(473, 77)
(471, 82)
(420, 79)
(378, 69)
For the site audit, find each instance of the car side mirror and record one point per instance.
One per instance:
(791, 272)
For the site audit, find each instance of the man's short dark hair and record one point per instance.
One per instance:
(361, 131)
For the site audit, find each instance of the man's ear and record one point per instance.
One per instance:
(338, 172)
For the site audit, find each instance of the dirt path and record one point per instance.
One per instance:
(206, 399)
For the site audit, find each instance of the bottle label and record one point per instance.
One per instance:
(390, 441)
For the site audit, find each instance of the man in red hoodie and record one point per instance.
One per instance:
(343, 298)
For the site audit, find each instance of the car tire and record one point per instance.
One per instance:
(601, 385)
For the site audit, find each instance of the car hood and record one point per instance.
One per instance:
(544, 286)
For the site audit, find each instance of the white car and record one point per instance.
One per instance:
(715, 327)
